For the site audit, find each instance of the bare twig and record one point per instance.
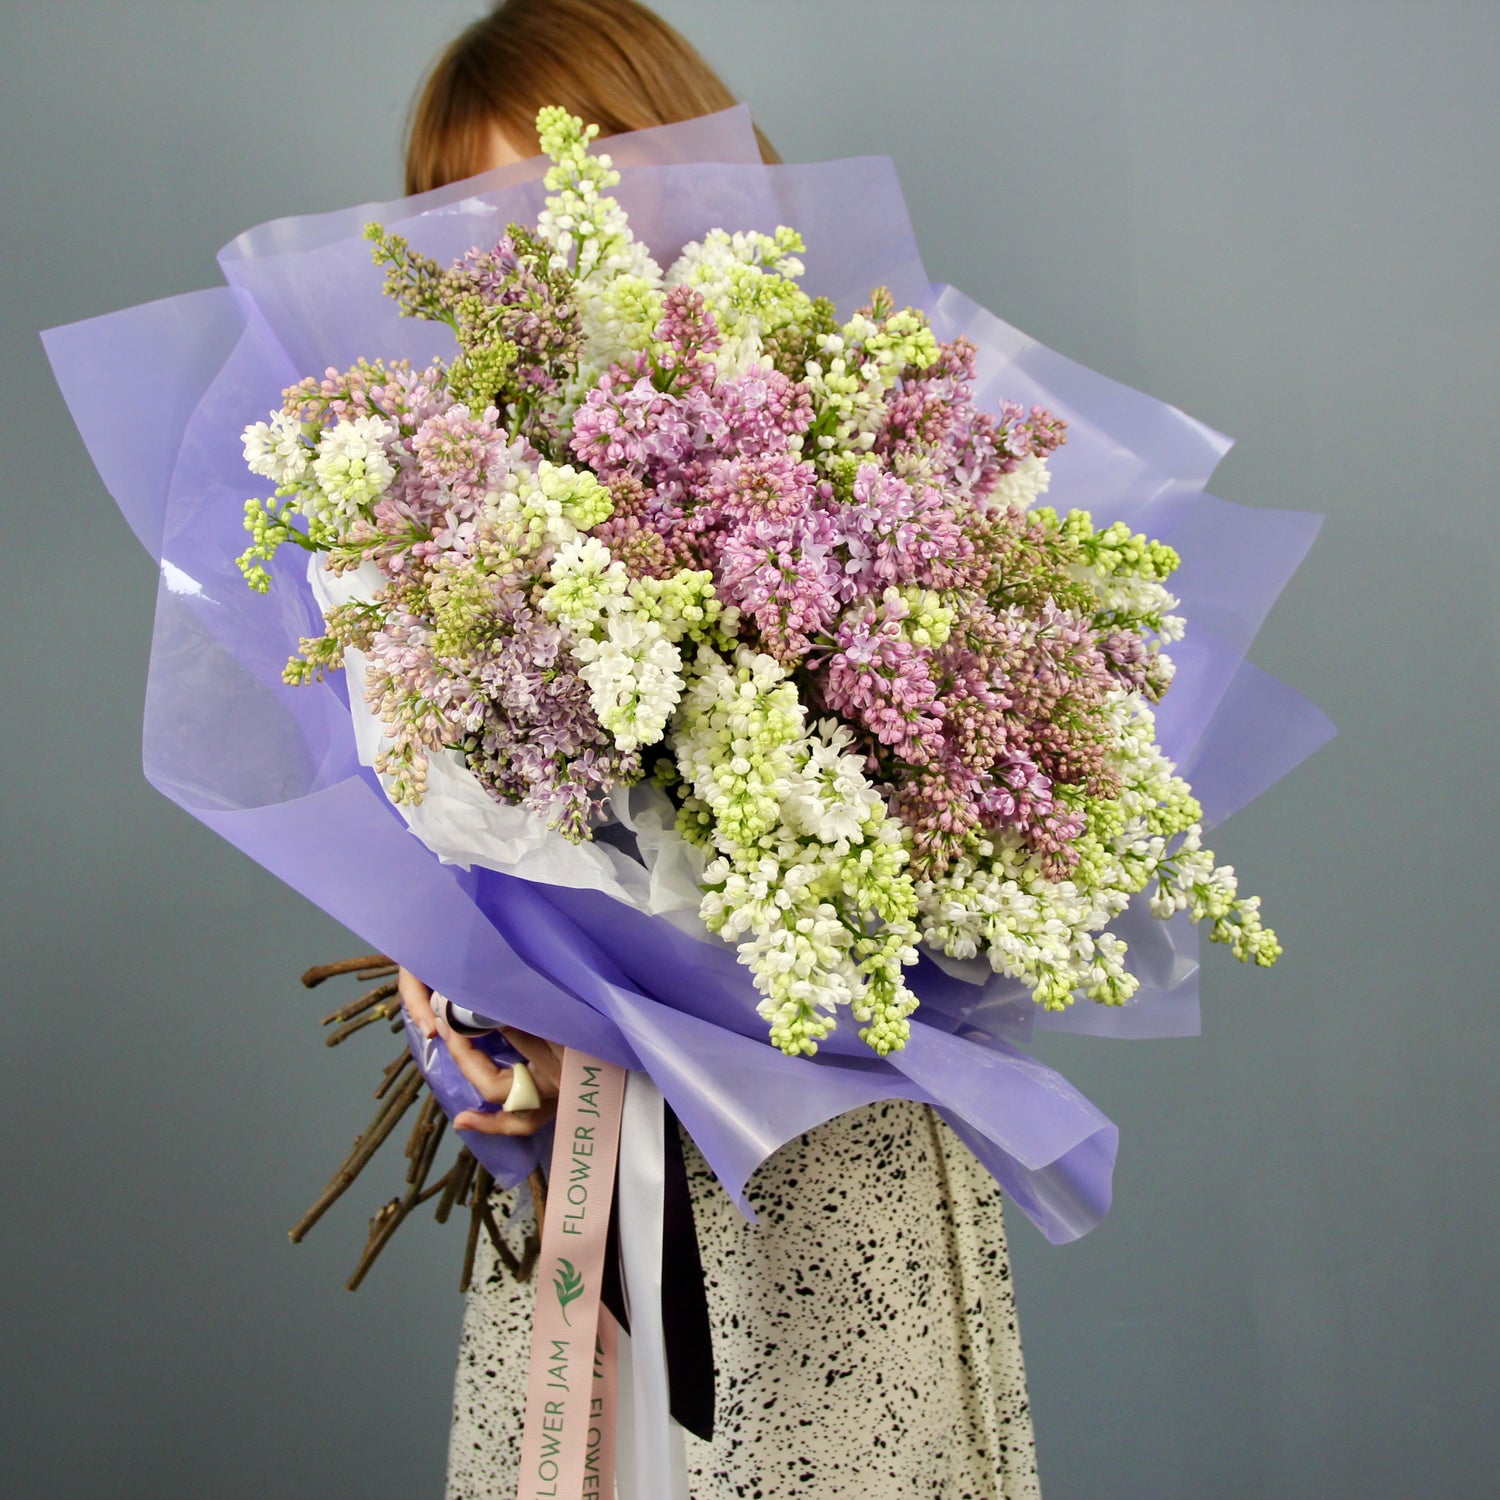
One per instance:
(391, 1110)
(393, 1070)
(519, 1267)
(422, 1147)
(385, 1223)
(491, 1228)
(365, 1001)
(482, 1183)
(529, 1257)
(366, 966)
(387, 1217)
(440, 1186)
(538, 1185)
(382, 1012)
(458, 1184)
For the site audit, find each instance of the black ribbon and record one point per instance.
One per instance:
(684, 1303)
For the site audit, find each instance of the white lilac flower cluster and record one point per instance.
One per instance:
(330, 476)
(810, 875)
(686, 524)
(629, 657)
(748, 284)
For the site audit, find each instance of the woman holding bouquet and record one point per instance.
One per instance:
(864, 1332)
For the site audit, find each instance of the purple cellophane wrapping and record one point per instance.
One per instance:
(161, 394)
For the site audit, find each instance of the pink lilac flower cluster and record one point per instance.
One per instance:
(458, 656)
(972, 731)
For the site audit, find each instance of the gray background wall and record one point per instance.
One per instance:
(1281, 216)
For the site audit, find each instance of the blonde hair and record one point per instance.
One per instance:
(612, 62)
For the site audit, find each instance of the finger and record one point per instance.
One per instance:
(492, 1081)
(527, 1122)
(417, 999)
(542, 1057)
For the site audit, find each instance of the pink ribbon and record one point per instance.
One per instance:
(599, 1458)
(567, 1448)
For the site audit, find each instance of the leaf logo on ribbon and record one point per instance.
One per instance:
(569, 1285)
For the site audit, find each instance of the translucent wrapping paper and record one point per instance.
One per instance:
(161, 394)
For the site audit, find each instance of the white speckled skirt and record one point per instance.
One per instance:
(865, 1339)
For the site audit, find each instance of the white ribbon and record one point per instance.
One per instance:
(650, 1459)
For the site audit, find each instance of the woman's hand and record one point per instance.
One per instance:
(491, 1079)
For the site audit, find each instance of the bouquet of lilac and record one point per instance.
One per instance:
(689, 528)
(708, 629)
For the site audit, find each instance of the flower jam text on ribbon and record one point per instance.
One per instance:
(568, 1440)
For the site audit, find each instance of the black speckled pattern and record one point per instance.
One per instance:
(865, 1334)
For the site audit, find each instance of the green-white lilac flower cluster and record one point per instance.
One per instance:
(810, 871)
